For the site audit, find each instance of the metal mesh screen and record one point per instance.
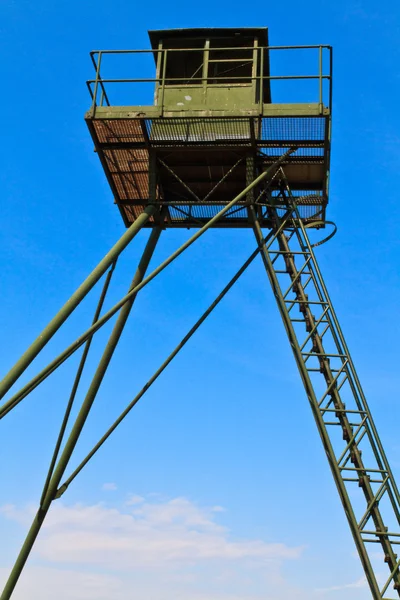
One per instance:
(195, 149)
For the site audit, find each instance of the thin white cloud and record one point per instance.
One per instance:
(176, 532)
(134, 499)
(109, 487)
(360, 583)
(154, 546)
(43, 583)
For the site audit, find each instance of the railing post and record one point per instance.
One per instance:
(163, 79)
(330, 78)
(262, 51)
(96, 84)
(320, 81)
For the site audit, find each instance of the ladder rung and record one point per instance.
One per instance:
(287, 252)
(284, 272)
(324, 355)
(356, 480)
(303, 321)
(344, 410)
(337, 424)
(307, 302)
(363, 469)
(380, 533)
(378, 541)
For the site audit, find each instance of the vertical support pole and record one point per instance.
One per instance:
(164, 70)
(204, 74)
(158, 73)
(320, 81)
(96, 83)
(80, 420)
(261, 80)
(254, 79)
(73, 302)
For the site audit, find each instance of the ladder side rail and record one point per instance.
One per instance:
(365, 560)
(355, 384)
(325, 368)
(346, 426)
(350, 370)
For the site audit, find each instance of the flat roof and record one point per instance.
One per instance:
(203, 32)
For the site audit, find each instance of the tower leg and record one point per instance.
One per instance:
(322, 357)
(30, 386)
(125, 305)
(73, 302)
(76, 430)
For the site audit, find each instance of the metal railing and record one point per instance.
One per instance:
(260, 57)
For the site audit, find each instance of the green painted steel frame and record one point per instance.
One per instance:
(321, 355)
(98, 85)
(305, 289)
(53, 487)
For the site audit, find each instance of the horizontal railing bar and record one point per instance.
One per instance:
(185, 80)
(228, 60)
(160, 50)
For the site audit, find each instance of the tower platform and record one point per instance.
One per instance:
(211, 130)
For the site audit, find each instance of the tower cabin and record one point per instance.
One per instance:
(213, 126)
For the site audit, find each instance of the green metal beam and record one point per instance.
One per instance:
(12, 402)
(162, 368)
(76, 430)
(73, 302)
(311, 109)
(76, 382)
(353, 416)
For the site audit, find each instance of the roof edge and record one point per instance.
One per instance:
(156, 35)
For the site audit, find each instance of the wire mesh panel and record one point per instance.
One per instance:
(200, 163)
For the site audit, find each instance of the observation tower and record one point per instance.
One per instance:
(201, 134)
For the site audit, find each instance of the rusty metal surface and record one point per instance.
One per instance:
(194, 156)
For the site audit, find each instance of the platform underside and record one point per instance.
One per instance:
(200, 164)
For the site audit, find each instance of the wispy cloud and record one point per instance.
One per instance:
(109, 487)
(360, 583)
(147, 534)
(134, 499)
(161, 548)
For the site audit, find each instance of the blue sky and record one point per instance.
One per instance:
(220, 463)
